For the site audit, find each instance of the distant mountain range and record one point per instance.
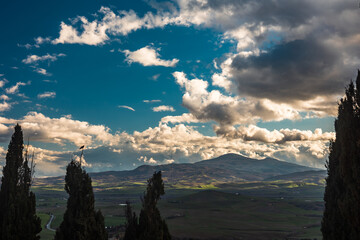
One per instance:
(226, 168)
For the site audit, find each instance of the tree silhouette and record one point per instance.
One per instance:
(81, 221)
(151, 226)
(341, 219)
(131, 226)
(18, 218)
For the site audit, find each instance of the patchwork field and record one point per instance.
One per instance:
(240, 210)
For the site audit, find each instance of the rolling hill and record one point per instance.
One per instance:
(226, 168)
(313, 176)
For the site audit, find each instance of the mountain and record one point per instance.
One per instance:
(314, 176)
(252, 169)
(226, 168)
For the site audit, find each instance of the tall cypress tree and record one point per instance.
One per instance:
(341, 219)
(81, 221)
(18, 218)
(151, 225)
(131, 225)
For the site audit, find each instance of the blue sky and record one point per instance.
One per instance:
(156, 82)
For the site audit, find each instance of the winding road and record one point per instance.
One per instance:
(48, 225)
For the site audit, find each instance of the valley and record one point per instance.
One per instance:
(231, 197)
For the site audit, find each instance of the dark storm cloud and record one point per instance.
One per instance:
(297, 70)
(290, 51)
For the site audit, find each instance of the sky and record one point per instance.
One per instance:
(159, 82)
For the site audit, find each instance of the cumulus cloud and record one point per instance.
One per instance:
(126, 107)
(5, 106)
(297, 70)
(59, 130)
(97, 32)
(47, 95)
(147, 160)
(148, 56)
(184, 118)
(227, 110)
(93, 33)
(41, 40)
(34, 59)
(169, 161)
(162, 144)
(183, 142)
(279, 55)
(15, 89)
(42, 71)
(163, 108)
(255, 133)
(2, 83)
(279, 70)
(4, 97)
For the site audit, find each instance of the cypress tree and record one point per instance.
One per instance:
(151, 225)
(18, 218)
(81, 221)
(131, 226)
(341, 219)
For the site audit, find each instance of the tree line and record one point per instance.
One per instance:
(18, 219)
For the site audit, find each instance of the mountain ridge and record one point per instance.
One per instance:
(226, 168)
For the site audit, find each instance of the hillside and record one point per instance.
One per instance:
(226, 168)
(314, 176)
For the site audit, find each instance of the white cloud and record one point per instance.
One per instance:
(28, 45)
(183, 141)
(169, 161)
(162, 144)
(47, 95)
(62, 130)
(97, 32)
(152, 101)
(221, 81)
(93, 33)
(163, 108)
(42, 71)
(5, 106)
(4, 97)
(2, 83)
(147, 160)
(147, 56)
(15, 88)
(228, 110)
(251, 26)
(184, 118)
(255, 133)
(126, 107)
(34, 59)
(41, 40)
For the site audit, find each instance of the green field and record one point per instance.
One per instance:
(242, 210)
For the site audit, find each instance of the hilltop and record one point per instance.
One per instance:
(223, 169)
